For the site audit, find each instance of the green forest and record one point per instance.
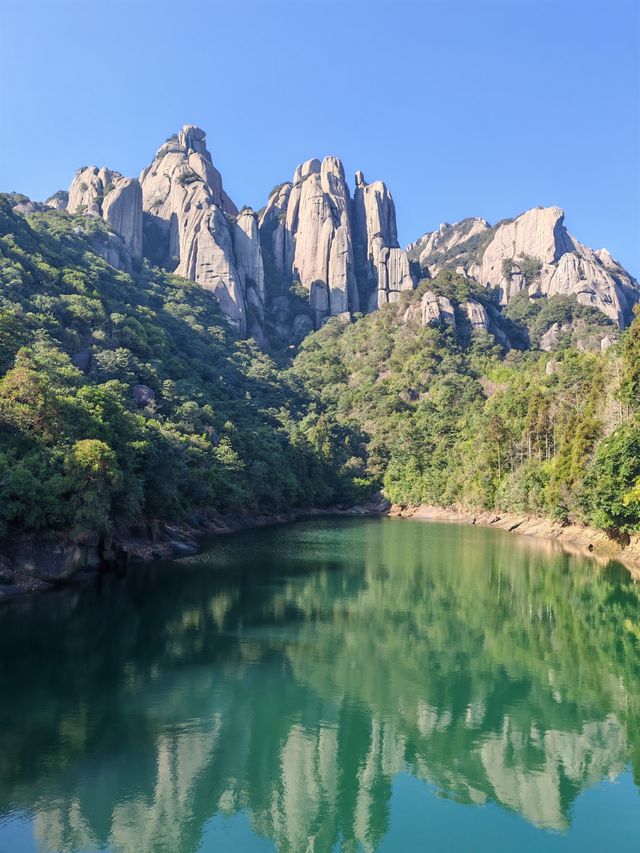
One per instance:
(126, 397)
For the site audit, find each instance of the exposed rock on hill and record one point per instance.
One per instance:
(533, 252)
(188, 224)
(451, 244)
(319, 243)
(105, 193)
(344, 252)
(432, 309)
(307, 224)
(58, 201)
(382, 262)
(319, 224)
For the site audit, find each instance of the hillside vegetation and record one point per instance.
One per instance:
(127, 397)
(460, 423)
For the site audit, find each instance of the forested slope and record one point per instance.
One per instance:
(452, 419)
(126, 397)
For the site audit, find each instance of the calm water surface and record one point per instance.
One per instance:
(376, 685)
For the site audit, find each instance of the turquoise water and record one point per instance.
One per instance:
(331, 685)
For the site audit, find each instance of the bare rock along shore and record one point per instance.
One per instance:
(574, 538)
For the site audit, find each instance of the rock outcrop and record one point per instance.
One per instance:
(533, 252)
(111, 196)
(248, 256)
(307, 224)
(190, 224)
(458, 242)
(381, 261)
(58, 201)
(432, 310)
(344, 251)
(318, 220)
(339, 250)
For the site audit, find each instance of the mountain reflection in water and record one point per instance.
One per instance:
(290, 675)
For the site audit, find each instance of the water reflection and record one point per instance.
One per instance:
(291, 674)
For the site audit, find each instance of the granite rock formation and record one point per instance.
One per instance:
(111, 196)
(432, 309)
(340, 251)
(344, 251)
(190, 224)
(533, 252)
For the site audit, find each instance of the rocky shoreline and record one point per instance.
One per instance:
(574, 538)
(32, 564)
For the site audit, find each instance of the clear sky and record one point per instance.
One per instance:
(464, 108)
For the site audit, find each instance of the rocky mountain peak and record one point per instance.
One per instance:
(319, 237)
(533, 252)
(192, 138)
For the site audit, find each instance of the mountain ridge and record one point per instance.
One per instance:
(336, 247)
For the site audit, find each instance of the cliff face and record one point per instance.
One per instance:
(384, 264)
(190, 224)
(343, 250)
(533, 252)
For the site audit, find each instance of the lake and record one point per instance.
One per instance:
(335, 684)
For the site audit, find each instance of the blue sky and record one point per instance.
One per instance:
(480, 108)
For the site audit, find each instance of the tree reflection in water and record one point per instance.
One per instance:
(292, 673)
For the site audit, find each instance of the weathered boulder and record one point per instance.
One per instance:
(143, 395)
(578, 333)
(112, 248)
(25, 206)
(485, 319)
(551, 338)
(116, 199)
(477, 315)
(432, 309)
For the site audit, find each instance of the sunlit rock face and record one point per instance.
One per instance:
(432, 309)
(532, 253)
(307, 224)
(111, 196)
(384, 265)
(434, 248)
(190, 224)
(344, 251)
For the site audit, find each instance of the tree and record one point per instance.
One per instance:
(611, 487)
(93, 476)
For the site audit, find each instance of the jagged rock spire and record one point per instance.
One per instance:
(189, 223)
